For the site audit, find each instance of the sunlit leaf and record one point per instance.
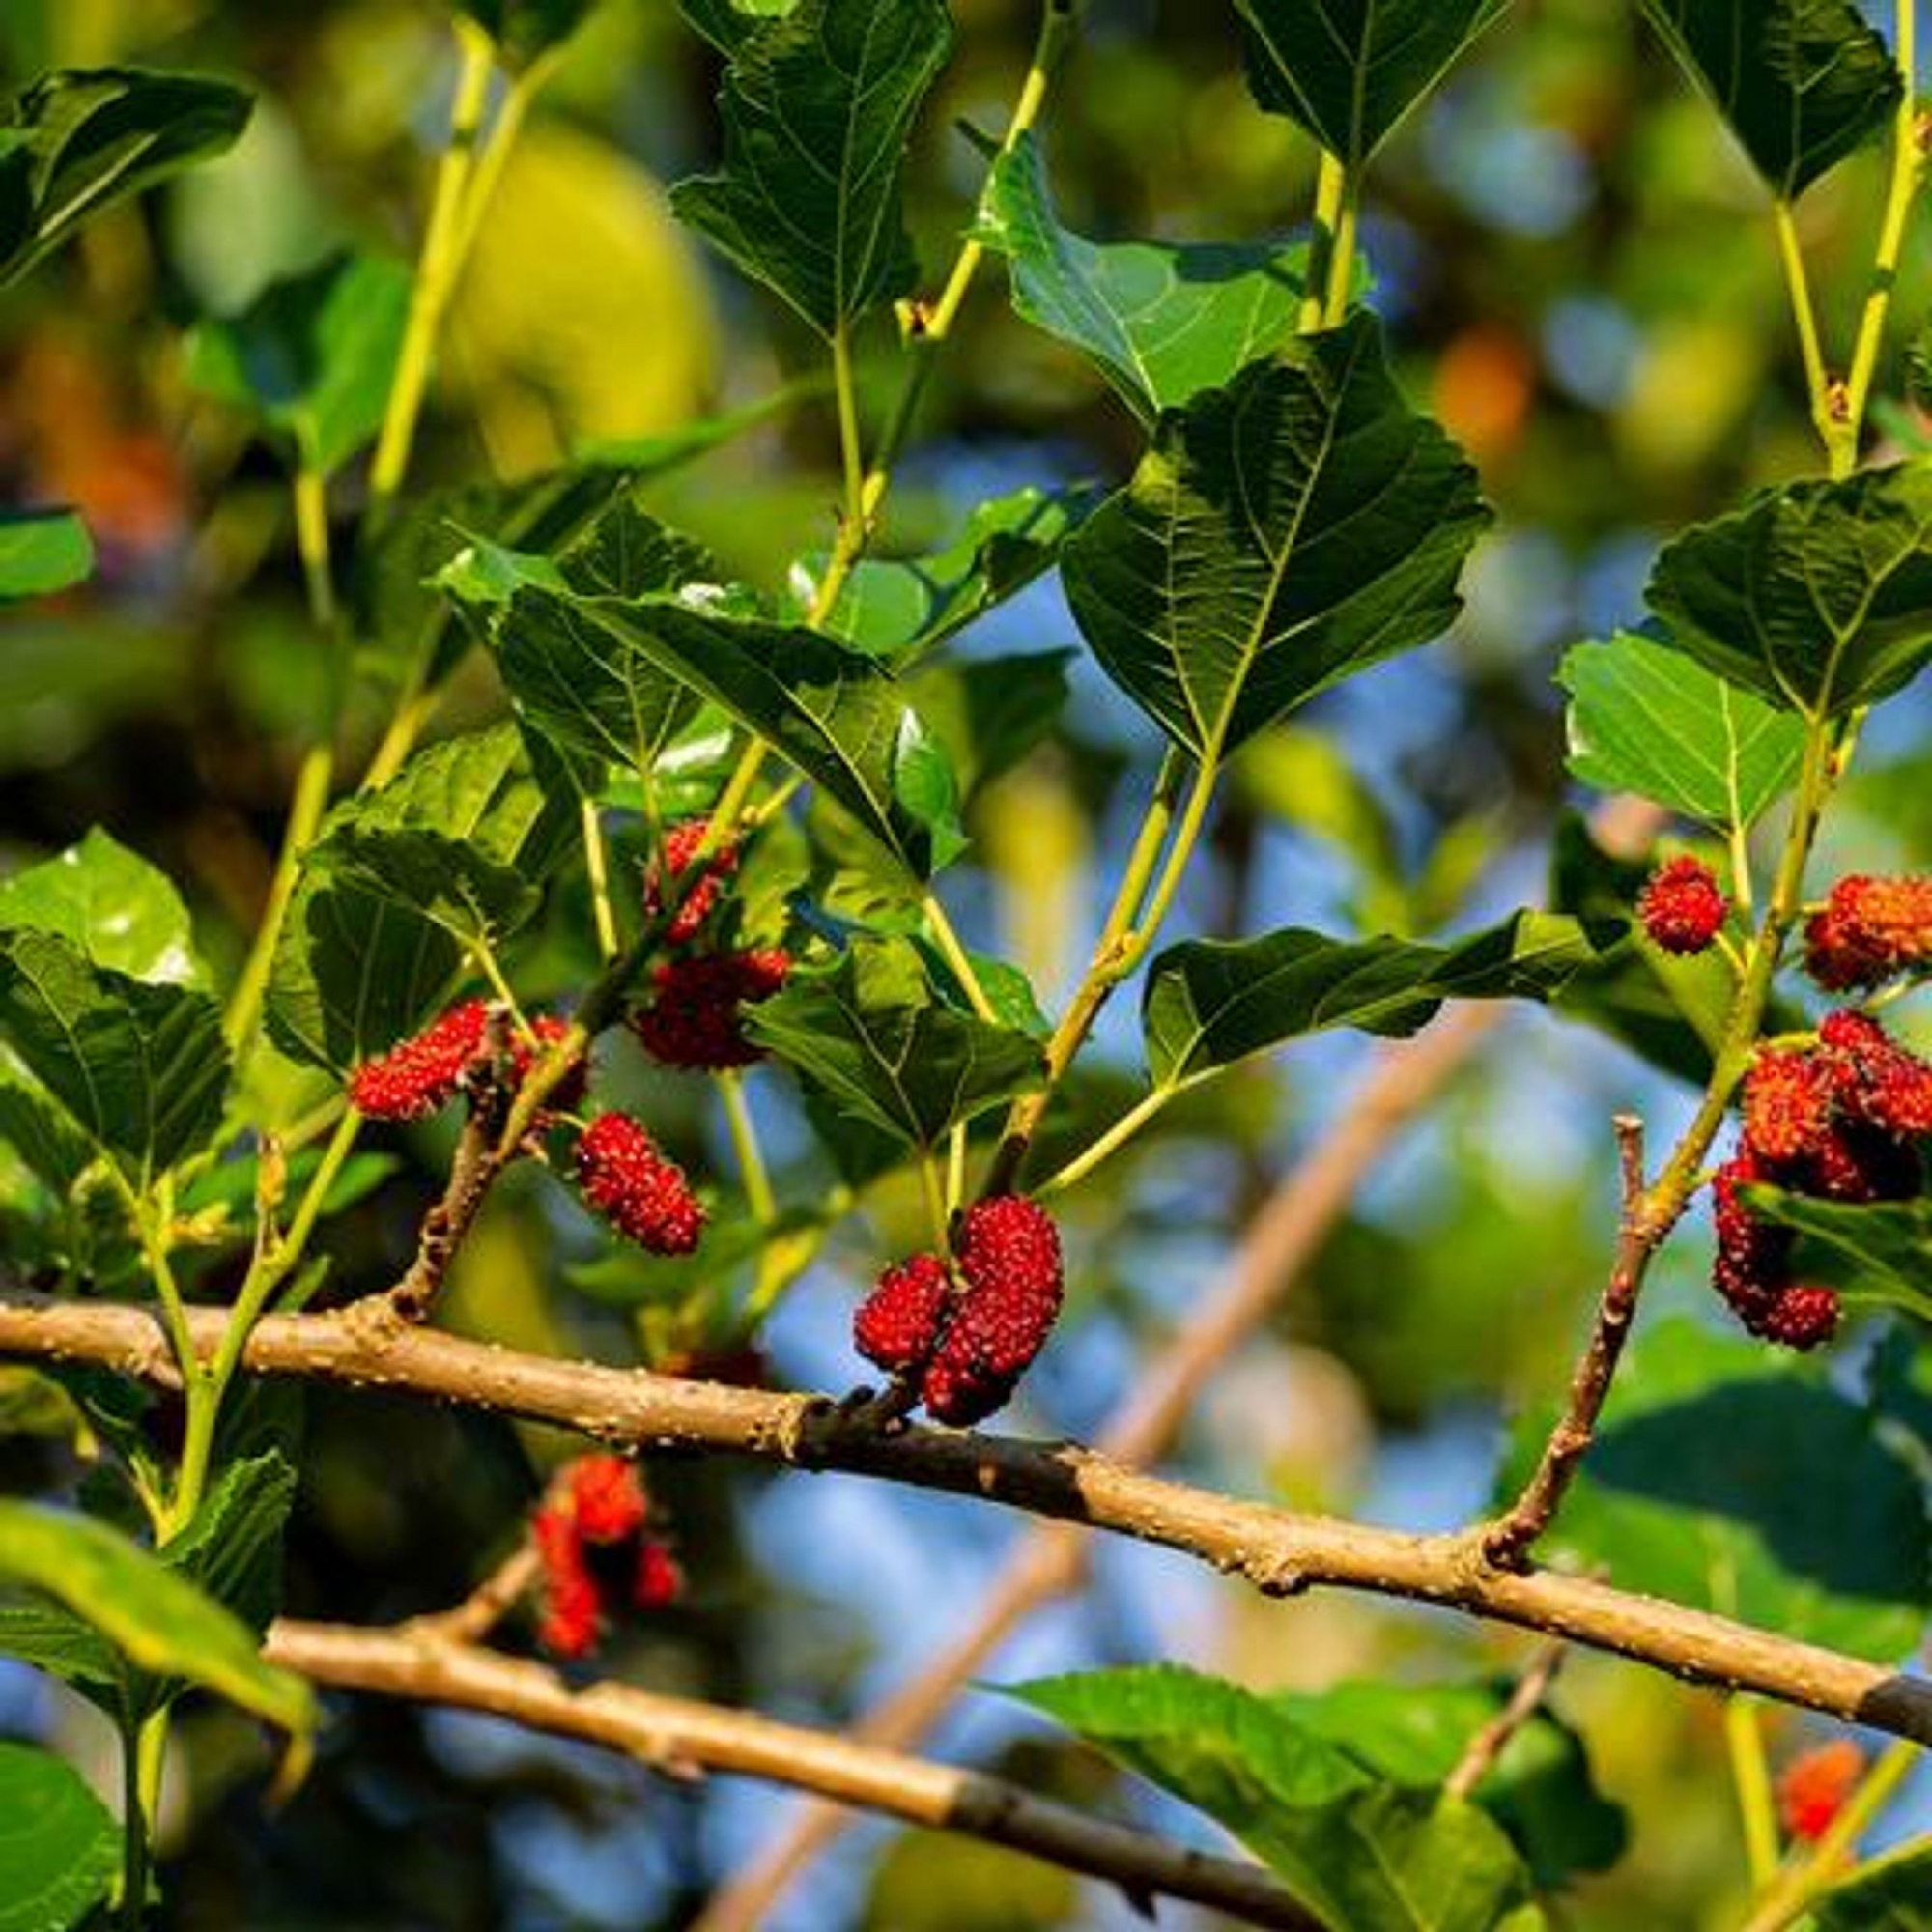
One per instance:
(60, 1847)
(43, 551)
(119, 910)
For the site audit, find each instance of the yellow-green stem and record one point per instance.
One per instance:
(1342, 258)
(1750, 1775)
(437, 267)
(1108, 1144)
(1804, 315)
(150, 1755)
(934, 1185)
(955, 955)
(851, 456)
(751, 1157)
(1329, 181)
(956, 1169)
(133, 1836)
(310, 492)
(305, 810)
(597, 868)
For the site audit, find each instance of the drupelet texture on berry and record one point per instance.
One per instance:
(418, 1075)
(1681, 906)
(1787, 1105)
(898, 1327)
(1869, 930)
(633, 1186)
(695, 900)
(696, 1016)
(1008, 1254)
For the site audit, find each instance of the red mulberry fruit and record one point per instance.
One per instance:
(607, 1498)
(694, 900)
(1869, 929)
(1813, 1787)
(418, 1074)
(1681, 906)
(696, 1016)
(573, 1612)
(1009, 1253)
(1787, 1105)
(659, 1580)
(1803, 1316)
(568, 1094)
(641, 1193)
(897, 1325)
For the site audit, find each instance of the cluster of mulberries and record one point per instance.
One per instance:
(1869, 930)
(595, 1551)
(694, 901)
(1840, 1120)
(630, 1184)
(961, 1346)
(1813, 1788)
(423, 1073)
(1681, 906)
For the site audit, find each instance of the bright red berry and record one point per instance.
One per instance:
(1870, 930)
(1787, 1105)
(1009, 1253)
(418, 1074)
(573, 1611)
(896, 1327)
(694, 898)
(659, 1581)
(641, 1193)
(1681, 906)
(695, 1018)
(607, 1498)
(1813, 1787)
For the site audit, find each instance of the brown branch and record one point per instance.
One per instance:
(472, 1173)
(1278, 1550)
(487, 1606)
(1280, 1241)
(1510, 1538)
(676, 1733)
(1492, 1740)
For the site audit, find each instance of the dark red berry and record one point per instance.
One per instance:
(694, 898)
(896, 1327)
(607, 1498)
(418, 1074)
(1008, 1254)
(1803, 1316)
(573, 1612)
(695, 1017)
(641, 1193)
(659, 1581)
(1681, 906)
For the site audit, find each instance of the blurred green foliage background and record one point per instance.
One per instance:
(1581, 279)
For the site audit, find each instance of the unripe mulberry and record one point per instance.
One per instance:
(1681, 906)
(896, 1328)
(573, 1611)
(695, 1017)
(1813, 1787)
(607, 1498)
(641, 1193)
(1869, 929)
(1787, 1105)
(694, 898)
(659, 1580)
(418, 1074)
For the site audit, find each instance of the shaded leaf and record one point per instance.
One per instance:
(1642, 719)
(1887, 1894)
(1733, 1479)
(83, 138)
(1817, 595)
(1161, 321)
(40, 1132)
(869, 1033)
(60, 1848)
(312, 358)
(1801, 83)
(1208, 1003)
(141, 1070)
(1363, 1854)
(927, 789)
(1280, 535)
(523, 29)
(817, 108)
(156, 1618)
(1877, 1252)
(43, 551)
(990, 712)
(113, 905)
(1347, 71)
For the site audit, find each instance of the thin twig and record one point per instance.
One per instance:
(1279, 1552)
(1493, 1739)
(676, 1733)
(488, 1604)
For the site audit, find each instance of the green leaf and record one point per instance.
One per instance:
(1729, 1478)
(60, 1847)
(896, 609)
(1540, 1789)
(120, 911)
(927, 789)
(837, 716)
(1279, 535)
(369, 949)
(524, 29)
(817, 109)
(141, 1070)
(726, 23)
(1642, 719)
(153, 1616)
(1887, 1894)
(313, 356)
(869, 1032)
(43, 551)
(1801, 83)
(83, 138)
(1876, 1252)
(990, 712)
(1161, 321)
(41, 1134)
(1363, 1854)
(1348, 70)
(1209, 1003)
(1815, 594)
